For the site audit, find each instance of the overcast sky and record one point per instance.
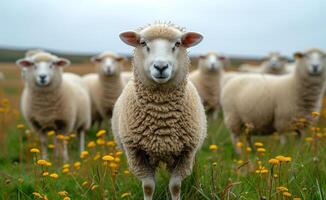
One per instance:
(236, 27)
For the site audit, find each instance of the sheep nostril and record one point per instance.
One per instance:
(160, 68)
(42, 77)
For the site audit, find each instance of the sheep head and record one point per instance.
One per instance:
(160, 55)
(108, 63)
(43, 69)
(312, 61)
(275, 61)
(212, 61)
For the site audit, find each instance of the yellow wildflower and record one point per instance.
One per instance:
(20, 126)
(66, 166)
(100, 133)
(248, 149)
(108, 158)
(91, 144)
(77, 165)
(126, 172)
(113, 165)
(261, 150)
(63, 193)
(35, 150)
(315, 114)
(282, 189)
(54, 175)
(65, 170)
(259, 144)
(100, 141)
(84, 154)
(94, 187)
(51, 146)
(45, 174)
(37, 195)
(85, 183)
(41, 162)
(126, 194)
(240, 162)
(296, 198)
(60, 137)
(110, 143)
(280, 158)
(118, 153)
(97, 156)
(73, 135)
(213, 147)
(273, 161)
(287, 159)
(117, 160)
(50, 133)
(66, 198)
(287, 194)
(239, 144)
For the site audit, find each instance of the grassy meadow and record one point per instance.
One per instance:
(296, 170)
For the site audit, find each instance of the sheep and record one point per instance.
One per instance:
(207, 80)
(275, 103)
(159, 116)
(273, 64)
(53, 100)
(2, 76)
(106, 85)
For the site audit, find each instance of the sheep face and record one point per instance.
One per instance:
(212, 62)
(42, 71)
(160, 59)
(312, 62)
(108, 64)
(275, 62)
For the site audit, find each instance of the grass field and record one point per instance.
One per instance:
(299, 172)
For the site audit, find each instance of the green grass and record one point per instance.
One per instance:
(304, 176)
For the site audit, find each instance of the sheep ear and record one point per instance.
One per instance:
(24, 62)
(62, 62)
(96, 59)
(130, 37)
(224, 60)
(191, 39)
(298, 55)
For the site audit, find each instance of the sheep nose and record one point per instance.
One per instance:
(161, 66)
(315, 67)
(42, 76)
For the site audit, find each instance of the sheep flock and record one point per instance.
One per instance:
(157, 111)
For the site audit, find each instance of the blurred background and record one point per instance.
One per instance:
(239, 28)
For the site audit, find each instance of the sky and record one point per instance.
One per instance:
(233, 27)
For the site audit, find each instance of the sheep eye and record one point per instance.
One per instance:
(177, 44)
(143, 43)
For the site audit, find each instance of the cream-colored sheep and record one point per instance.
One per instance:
(2, 76)
(106, 85)
(207, 77)
(273, 64)
(53, 100)
(274, 103)
(159, 116)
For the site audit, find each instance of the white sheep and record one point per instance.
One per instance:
(53, 100)
(207, 77)
(2, 76)
(274, 103)
(273, 64)
(106, 85)
(159, 116)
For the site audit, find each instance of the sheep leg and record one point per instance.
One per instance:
(139, 164)
(233, 123)
(56, 148)
(282, 139)
(235, 139)
(182, 169)
(43, 140)
(148, 185)
(82, 140)
(65, 151)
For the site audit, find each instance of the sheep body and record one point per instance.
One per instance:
(64, 106)
(271, 103)
(159, 122)
(105, 89)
